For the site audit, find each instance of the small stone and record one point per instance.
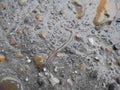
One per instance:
(39, 60)
(56, 69)
(54, 80)
(116, 46)
(69, 82)
(2, 58)
(38, 17)
(19, 54)
(118, 52)
(94, 74)
(77, 37)
(96, 58)
(44, 69)
(22, 2)
(82, 66)
(75, 72)
(119, 62)
(114, 86)
(28, 60)
(109, 49)
(118, 80)
(26, 79)
(42, 34)
(12, 40)
(80, 8)
(4, 5)
(118, 20)
(40, 81)
(91, 41)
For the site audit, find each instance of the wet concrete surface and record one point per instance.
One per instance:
(88, 62)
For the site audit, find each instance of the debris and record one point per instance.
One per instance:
(44, 69)
(2, 58)
(116, 46)
(56, 69)
(4, 5)
(91, 41)
(118, 80)
(54, 80)
(39, 60)
(82, 66)
(94, 74)
(60, 48)
(114, 86)
(10, 84)
(109, 49)
(40, 81)
(12, 40)
(97, 58)
(19, 54)
(38, 17)
(69, 82)
(28, 59)
(26, 79)
(80, 8)
(118, 61)
(118, 20)
(42, 35)
(105, 13)
(118, 52)
(22, 2)
(77, 37)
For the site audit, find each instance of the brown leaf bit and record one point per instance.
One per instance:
(80, 8)
(12, 40)
(39, 60)
(105, 13)
(4, 5)
(38, 17)
(2, 58)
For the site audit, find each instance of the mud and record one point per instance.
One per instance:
(18, 21)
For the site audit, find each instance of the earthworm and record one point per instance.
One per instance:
(61, 47)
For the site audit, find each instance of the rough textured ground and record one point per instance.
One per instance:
(101, 67)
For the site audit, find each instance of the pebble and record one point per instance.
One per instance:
(28, 59)
(12, 40)
(56, 69)
(118, 20)
(109, 49)
(116, 46)
(54, 80)
(118, 80)
(94, 74)
(69, 82)
(26, 79)
(114, 86)
(91, 41)
(4, 5)
(82, 66)
(40, 81)
(80, 8)
(38, 17)
(39, 60)
(22, 2)
(77, 37)
(96, 58)
(42, 35)
(119, 62)
(2, 58)
(19, 54)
